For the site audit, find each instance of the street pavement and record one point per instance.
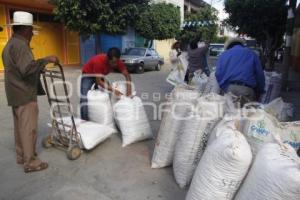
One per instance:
(109, 172)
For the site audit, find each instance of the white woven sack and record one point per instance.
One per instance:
(99, 107)
(195, 133)
(132, 120)
(279, 109)
(176, 112)
(229, 121)
(212, 85)
(199, 80)
(259, 128)
(272, 87)
(176, 77)
(290, 134)
(222, 167)
(91, 133)
(275, 174)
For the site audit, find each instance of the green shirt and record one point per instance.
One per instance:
(22, 72)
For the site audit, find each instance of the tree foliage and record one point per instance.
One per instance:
(206, 31)
(96, 16)
(159, 21)
(263, 20)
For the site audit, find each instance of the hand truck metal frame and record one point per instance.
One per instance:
(63, 136)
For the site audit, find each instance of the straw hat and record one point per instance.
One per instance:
(23, 18)
(234, 40)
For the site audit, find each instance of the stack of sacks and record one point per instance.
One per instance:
(275, 174)
(212, 85)
(99, 107)
(182, 101)
(222, 167)
(272, 87)
(199, 80)
(132, 120)
(90, 133)
(259, 128)
(195, 133)
(282, 111)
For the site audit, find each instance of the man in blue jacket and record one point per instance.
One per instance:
(239, 71)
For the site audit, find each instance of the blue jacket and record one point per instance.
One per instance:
(240, 64)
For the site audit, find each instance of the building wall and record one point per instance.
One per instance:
(163, 48)
(4, 33)
(51, 39)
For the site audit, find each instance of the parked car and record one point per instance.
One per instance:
(216, 49)
(139, 59)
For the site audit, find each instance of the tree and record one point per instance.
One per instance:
(200, 25)
(263, 20)
(98, 16)
(160, 21)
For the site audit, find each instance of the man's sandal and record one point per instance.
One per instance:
(40, 167)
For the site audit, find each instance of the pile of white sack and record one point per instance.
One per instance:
(194, 136)
(128, 113)
(281, 110)
(181, 103)
(247, 160)
(204, 83)
(199, 80)
(223, 153)
(272, 87)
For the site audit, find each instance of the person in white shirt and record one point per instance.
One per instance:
(174, 55)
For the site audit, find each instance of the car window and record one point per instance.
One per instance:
(153, 52)
(135, 52)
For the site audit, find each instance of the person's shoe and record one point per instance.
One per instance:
(35, 165)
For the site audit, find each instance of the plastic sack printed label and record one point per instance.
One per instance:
(290, 134)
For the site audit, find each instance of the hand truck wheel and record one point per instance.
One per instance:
(73, 152)
(47, 142)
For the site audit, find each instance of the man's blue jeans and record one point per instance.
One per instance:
(86, 84)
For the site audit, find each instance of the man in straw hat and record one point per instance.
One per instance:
(22, 85)
(239, 71)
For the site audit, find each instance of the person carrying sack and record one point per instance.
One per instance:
(94, 72)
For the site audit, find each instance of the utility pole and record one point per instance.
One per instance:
(287, 58)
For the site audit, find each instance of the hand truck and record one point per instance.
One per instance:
(64, 134)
